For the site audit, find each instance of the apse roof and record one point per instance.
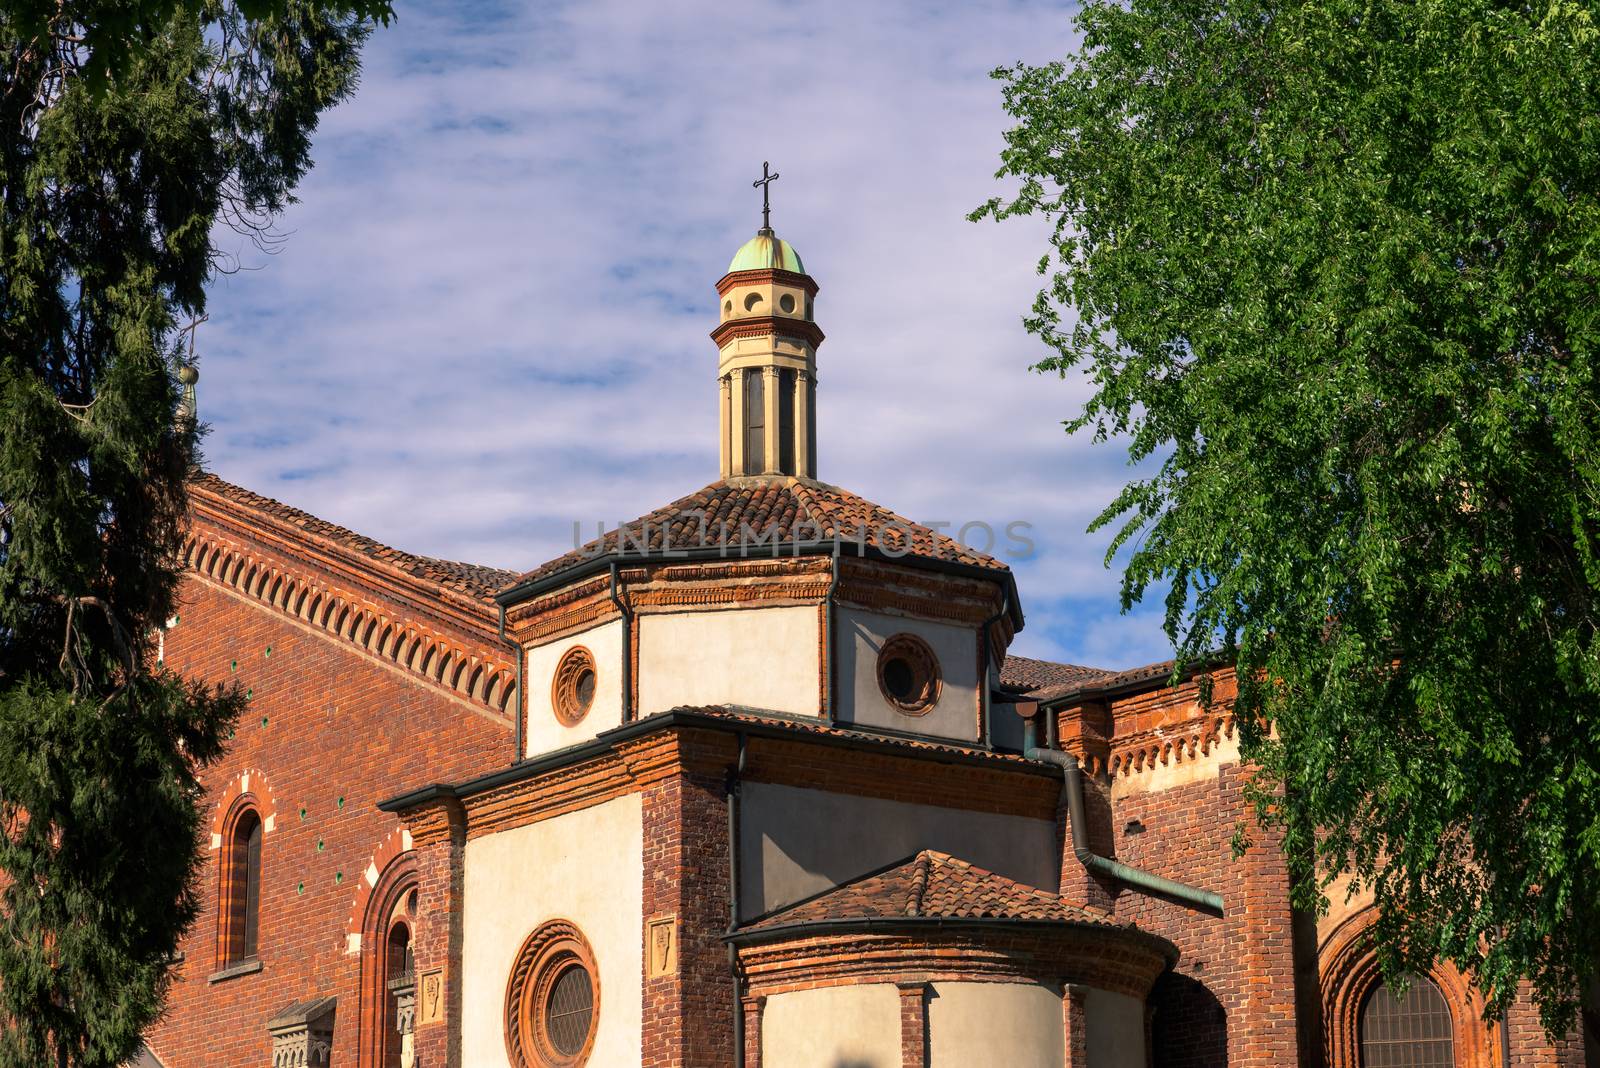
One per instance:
(933, 884)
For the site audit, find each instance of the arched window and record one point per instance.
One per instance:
(241, 889)
(1414, 1031)
(388, 967)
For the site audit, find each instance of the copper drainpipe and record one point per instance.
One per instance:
(1126, 874)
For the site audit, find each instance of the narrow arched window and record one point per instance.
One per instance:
(1414, 1031)
(241, 896)
(388, 995)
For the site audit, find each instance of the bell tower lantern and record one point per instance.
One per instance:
(767, 340)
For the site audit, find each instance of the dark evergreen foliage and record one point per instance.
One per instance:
(128, 132)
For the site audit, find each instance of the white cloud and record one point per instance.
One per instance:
(490, 316)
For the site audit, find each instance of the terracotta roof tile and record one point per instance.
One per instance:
(933, 884)
(1041, 679)
(752, 513)
(473, 580)
(801, 725)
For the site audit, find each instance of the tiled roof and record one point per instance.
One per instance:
(1039, 679)
(805, 726)
(473, 580)
(933, 884)
(1042, 680)
(751, 513)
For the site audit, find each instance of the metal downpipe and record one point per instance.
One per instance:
(985, 703)
(1137, 878)
(627, 648)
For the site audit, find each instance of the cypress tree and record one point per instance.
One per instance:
(128, 133)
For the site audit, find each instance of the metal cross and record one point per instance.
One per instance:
(766, 207)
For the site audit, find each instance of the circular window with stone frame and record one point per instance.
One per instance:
(553, 999)
(908, 674)
(572, 690)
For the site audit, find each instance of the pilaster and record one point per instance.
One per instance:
(735, 436)
(913, 1023)
(770, 432)
(725, 419)
(802, 425)
(439, 838)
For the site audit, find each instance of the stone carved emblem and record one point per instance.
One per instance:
(430, 998)
(663, 945)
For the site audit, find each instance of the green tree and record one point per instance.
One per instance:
(130, 135)
(1332, 267)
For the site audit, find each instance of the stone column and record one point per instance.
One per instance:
(724, 416)
(736, 423)
(769, 399)
(802, 425)
(404, 992)
(913, 1024)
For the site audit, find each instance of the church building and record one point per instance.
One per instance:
(753, 781)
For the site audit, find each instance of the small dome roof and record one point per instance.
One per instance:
(766, 251)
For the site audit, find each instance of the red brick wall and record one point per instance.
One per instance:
(1232, 997)
(325, 722)
(688, 1016)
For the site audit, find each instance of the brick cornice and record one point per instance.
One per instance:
(396, 631)
(767, 326)
(636, 763)
(338, 562)
(434, 821)
(766, 274)
(1107, 957)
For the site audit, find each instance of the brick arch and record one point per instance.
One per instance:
(382, 887)
(395, 847)
(249, 786)
(1348, 970)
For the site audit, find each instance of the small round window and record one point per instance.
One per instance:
(786, 302)
(572, 691)
(908, 674)
(552, 1000)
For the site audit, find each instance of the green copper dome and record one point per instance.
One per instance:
(767, 251)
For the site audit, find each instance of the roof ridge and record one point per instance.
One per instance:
(463, 578)
(919, 883)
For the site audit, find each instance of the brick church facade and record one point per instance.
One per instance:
(753, 781)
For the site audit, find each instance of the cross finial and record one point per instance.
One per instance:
(764, 182)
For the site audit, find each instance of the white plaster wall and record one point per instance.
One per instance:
(586, 867)
(546, 733)
(1115, 1030)
(834, 1027)
(796, 842)
(760, 657)
(860, 635)
(1018, 1025)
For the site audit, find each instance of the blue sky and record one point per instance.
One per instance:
(489, 317)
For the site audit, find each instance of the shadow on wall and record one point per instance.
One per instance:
(851, 1062)
(1188, 1025)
